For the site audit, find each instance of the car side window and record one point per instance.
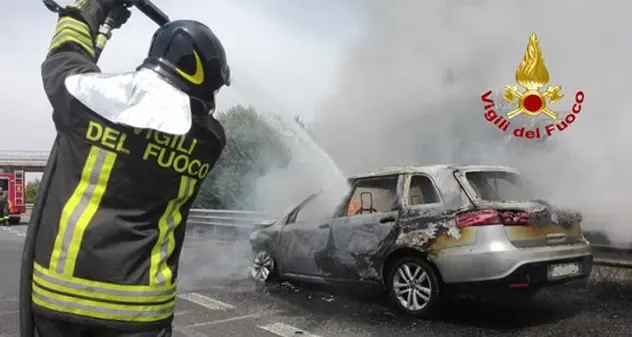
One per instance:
(497, 186)
(505, 189)
(422, 191)
(372, 195)
(320, 207)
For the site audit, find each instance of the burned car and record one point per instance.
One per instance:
(421, 233)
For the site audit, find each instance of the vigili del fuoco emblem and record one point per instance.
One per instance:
(532, 98)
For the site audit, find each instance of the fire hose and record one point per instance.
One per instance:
(27, 328)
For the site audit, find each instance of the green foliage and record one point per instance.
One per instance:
(31, 191)
(252, 149)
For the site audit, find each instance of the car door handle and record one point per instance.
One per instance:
(387, 219)
(324, 226)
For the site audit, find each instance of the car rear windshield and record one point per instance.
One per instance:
(500, 186)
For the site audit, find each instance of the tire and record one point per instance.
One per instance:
(14, 220)
(263, 268)
(424, 288)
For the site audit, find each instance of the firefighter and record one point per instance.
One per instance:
(4, 207)
(132, 152)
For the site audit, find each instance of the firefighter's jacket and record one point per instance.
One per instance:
(112, 218)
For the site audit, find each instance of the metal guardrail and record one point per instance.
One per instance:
(228, 218)
(223, 218)
(617, 256)
(609, 255)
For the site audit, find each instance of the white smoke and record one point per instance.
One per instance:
(409, 93)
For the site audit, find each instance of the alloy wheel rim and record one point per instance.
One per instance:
(262, 267)
(412, 286)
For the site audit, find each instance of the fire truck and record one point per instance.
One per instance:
(13, 183)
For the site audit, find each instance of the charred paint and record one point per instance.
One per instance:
(358, 244)
(533, 232)
(432, 230)
(436, 235)
(356, 247)
(467, 237)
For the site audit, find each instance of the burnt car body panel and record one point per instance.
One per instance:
(341, 248)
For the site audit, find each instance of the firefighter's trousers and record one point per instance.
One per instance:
(4, 213)
(46, 327)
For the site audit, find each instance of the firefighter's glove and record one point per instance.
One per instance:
(94, 12)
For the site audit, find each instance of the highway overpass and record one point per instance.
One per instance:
(30, 161)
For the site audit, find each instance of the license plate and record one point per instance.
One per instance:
(564, 270)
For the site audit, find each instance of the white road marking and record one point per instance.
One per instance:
(232, 319)
(12, 231)
(8, 335)
(10, 299)
(2, 313)
(188, 332)
(205, 301)
(284, 330)
(180, 313)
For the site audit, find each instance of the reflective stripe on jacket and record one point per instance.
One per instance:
(112, 219)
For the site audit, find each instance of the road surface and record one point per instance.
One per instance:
(218, 300)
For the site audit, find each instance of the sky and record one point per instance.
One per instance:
(387, 83)
(283, 55)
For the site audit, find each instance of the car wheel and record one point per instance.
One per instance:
(413, 287)
(263, 269)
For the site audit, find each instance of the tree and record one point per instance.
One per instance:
(31, 191)
(253, 148)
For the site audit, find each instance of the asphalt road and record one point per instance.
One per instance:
(218, 300)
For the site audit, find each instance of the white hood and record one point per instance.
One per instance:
(138, 99)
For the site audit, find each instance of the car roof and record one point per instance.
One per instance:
(432, 170)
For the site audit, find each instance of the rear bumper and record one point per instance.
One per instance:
(493, 258)
(530, 275)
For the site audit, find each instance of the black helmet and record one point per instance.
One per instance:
(189, 55)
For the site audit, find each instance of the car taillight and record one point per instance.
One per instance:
(478, 218)
(511, 218)
(492, 217)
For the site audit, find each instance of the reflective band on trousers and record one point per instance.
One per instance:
(101, 290)
(102, 310)
(159, 271)
(80, 208)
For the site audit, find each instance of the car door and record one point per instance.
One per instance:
(359, 236)
(305, 238)
(424, 207)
